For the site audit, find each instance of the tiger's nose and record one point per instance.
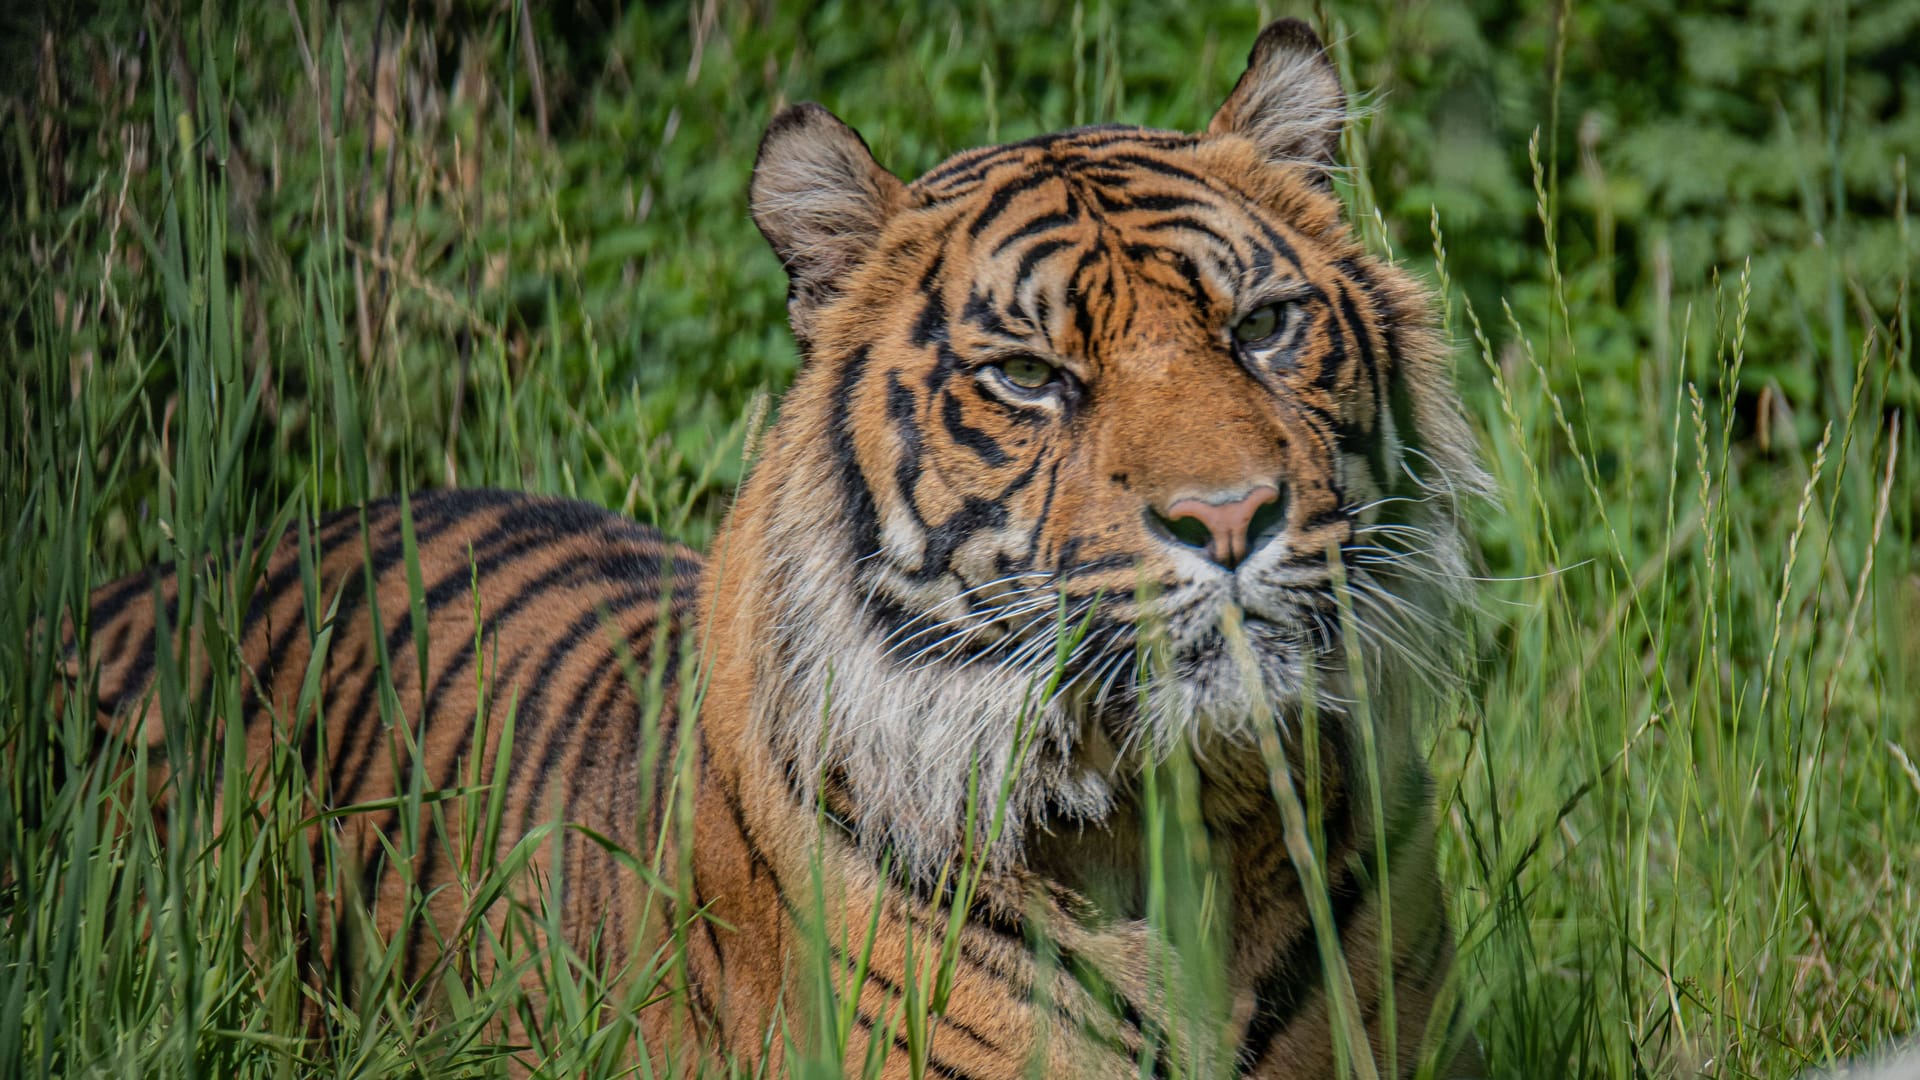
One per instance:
(1228, 530)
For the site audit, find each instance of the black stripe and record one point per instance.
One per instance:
(647, 566)
(891, 986)
(1156, 165)
(1333, 364)
(330, 530)
(432, 516)
(934, 1064)
(140, 669)
(1019, 483)
(120, 594)
(531, 708)
(1032, 258)
(535, 719)
(497, 548)
(703, 1006)
(593, 783)
(1181, 264)
(1004, 195)
(601, 684)
(525, 533)
(429, 857)
(972, 438)
(327, 531)
(974, 163)
(1362, 334)
(1082, 314)
(699, 913)
(318, 731)
(1040, 522)
(1400, 402)
(1280, 995)
(974, 515)
(1271, 235)
(931, 327)
(971, 166)
(981, 312)
(902, 410)
(863, 525)
(1165, 203)
(1238, 270)
(945, 363)
(1152, 1038)
(757, 859)
(115, 643)
(1057, 220)
(666, 750)
(1259, 268)
(1319, 422)
(1298, 974)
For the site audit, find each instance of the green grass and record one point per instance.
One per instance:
(260, 265)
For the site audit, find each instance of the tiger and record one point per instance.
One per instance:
(1103, 444)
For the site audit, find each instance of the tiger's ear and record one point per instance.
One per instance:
(821, 200)
(1288, 101)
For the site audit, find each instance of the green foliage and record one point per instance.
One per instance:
(263, 261)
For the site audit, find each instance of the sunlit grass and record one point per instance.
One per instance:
(1679, 811)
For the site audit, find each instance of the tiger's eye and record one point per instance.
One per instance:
(1027, 373)
(1259, 325)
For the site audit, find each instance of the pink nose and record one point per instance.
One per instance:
(1226, 523)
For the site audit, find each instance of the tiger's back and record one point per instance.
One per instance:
(544, 610)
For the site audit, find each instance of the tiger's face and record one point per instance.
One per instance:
(1116, 394)
(1127, 378)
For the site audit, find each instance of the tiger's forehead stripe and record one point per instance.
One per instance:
(951, 178)
(1111, 199)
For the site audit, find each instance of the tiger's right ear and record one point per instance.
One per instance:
(1288, 101)
(821, 200)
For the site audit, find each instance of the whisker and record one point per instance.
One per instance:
(916, 629)
(1361, 508)
(964, 594)
(974, 626)
(1035, 612)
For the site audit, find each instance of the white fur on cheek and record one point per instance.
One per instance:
(903, 738)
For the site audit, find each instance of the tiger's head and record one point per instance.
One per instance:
(1098, 407)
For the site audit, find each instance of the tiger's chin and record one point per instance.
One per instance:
(1226, 662)
(1243, 674)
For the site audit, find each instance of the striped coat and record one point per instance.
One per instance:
(1107, 444)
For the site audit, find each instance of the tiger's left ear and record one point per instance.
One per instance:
(1288, 101)
(821, 201)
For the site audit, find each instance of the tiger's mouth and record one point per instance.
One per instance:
(1214, 644)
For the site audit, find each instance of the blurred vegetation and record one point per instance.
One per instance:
(505, 243)
(564, 186)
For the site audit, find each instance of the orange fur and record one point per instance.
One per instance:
(886, 604)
